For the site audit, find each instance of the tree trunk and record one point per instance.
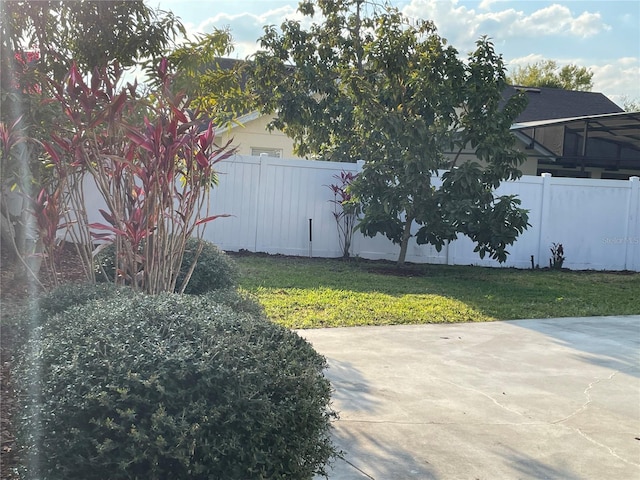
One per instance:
(26, 230)
(406, 235)
(25, 243)
(24, 268)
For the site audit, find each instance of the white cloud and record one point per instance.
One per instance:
(246, 28)
(462, 23)
(588, 25)
(486, 4)
(617, 78)
(524, 61)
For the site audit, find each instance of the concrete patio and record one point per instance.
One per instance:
(527, 399)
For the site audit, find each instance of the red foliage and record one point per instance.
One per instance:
(153, 175)
(25, 61)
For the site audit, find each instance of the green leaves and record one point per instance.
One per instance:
(393, 93)
(171, 386)
(212, 86)
(547, 73)
(469, 207)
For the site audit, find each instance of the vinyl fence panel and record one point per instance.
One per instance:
(271, 201)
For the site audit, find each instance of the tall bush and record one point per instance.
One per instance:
(152, 161)
(171, 386)
(37, 42)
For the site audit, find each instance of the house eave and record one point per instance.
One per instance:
(241, 121)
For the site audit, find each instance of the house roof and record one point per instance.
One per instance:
(241, 121)
(554, 103)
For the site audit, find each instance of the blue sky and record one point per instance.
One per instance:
(601, 35)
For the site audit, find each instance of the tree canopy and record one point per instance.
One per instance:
(366, 83)
(548, 73)
(214, 84)
(92, 33)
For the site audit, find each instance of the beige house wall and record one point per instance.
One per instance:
(253, 134)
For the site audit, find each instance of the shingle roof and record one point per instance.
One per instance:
(551, 103)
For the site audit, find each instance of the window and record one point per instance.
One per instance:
(270, 152)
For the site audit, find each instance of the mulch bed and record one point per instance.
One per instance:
(14, 294)
(380, 267)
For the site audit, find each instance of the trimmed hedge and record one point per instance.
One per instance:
(241, 302)
(76, 294)
(171, 386)
(60, 299)
(214, 270)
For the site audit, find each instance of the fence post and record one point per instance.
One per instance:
(632, 242)
(545, 215)
(261, 199)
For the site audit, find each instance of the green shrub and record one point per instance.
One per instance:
(104, 264)
(214, 270)
(171, 386)
(75, 294)
(39, 308)
(241, 302)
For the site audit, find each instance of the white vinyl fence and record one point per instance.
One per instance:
(276, 203)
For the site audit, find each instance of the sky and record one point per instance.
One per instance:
(603, 35)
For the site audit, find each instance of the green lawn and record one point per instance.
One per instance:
(308, 293)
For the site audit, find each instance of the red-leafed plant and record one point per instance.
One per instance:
(151, 160)
(345, 210)
(47, 209)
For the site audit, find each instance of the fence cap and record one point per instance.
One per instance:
(634, 179)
